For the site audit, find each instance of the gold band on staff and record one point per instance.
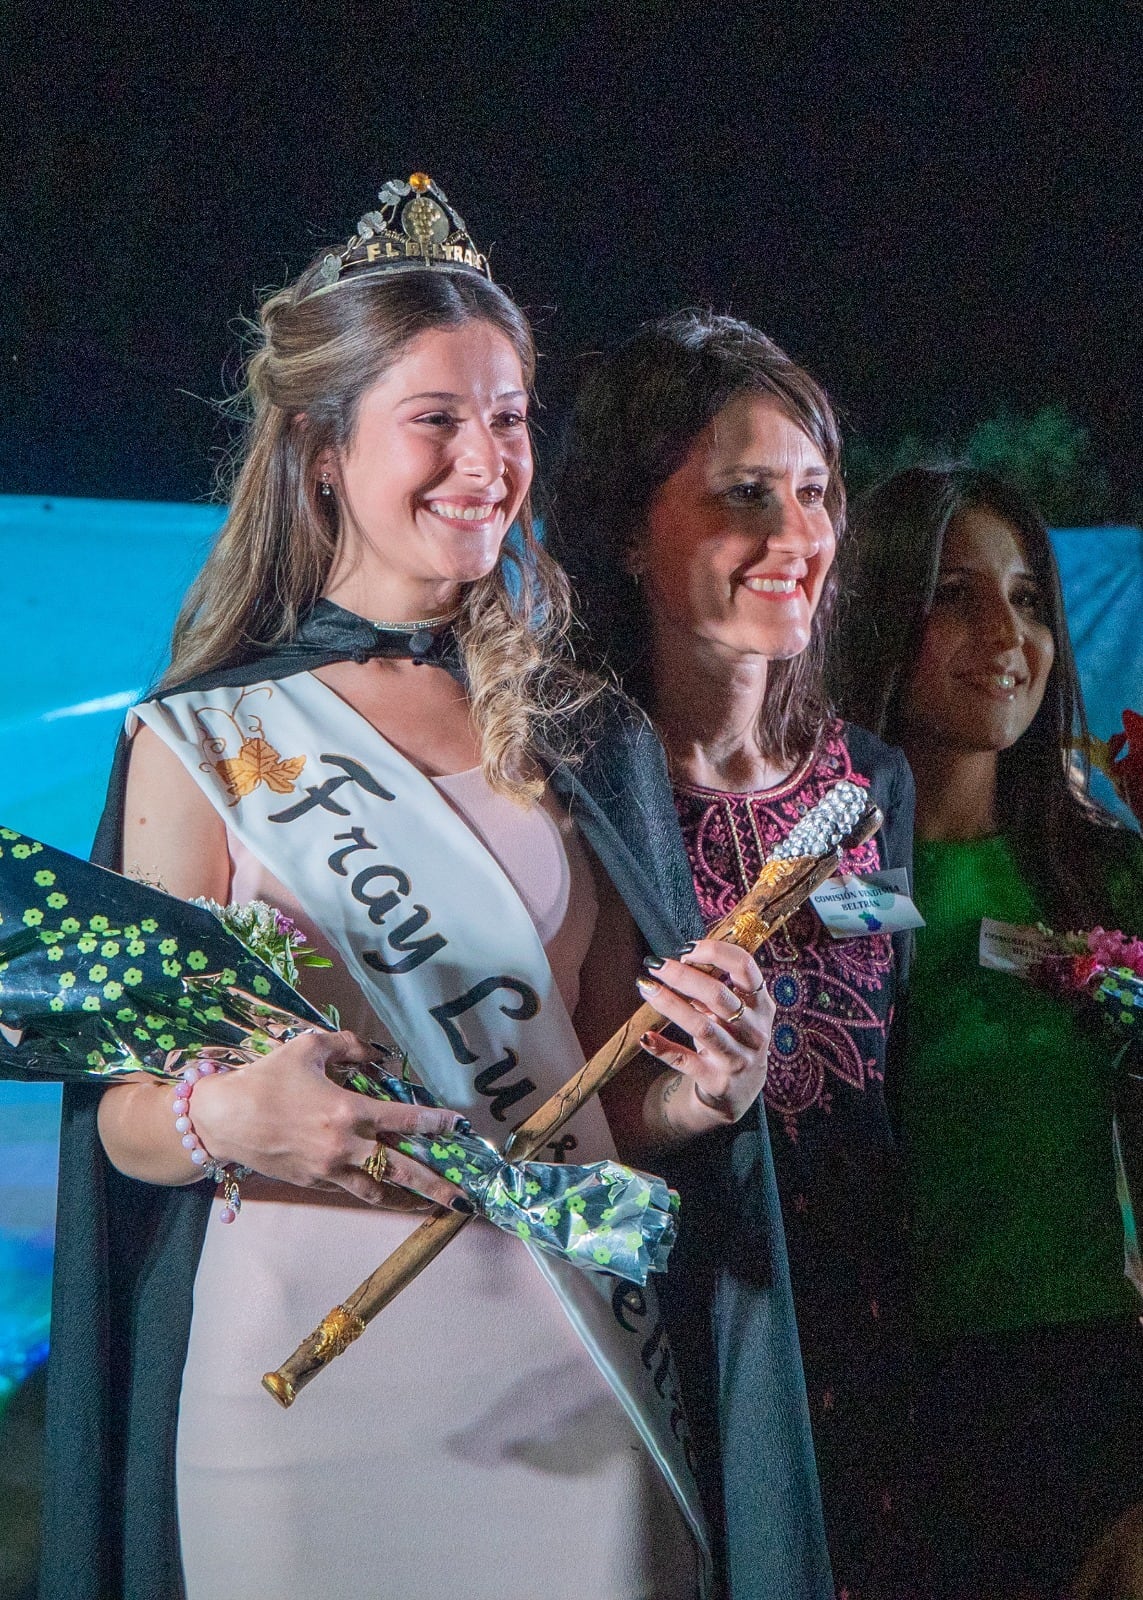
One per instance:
(780, 890)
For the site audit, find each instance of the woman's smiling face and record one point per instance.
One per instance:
(438, 466)
(986, 651)
(738, 543)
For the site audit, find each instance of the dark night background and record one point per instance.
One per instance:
(938, 214)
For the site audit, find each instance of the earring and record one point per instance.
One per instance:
(326, 489)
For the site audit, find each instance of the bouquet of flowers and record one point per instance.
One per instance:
(1105, 969)
(1098, 969)
(102, 978)
(1101, 971)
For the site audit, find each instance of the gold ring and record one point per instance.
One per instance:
(734, 1015)
(377, 1163)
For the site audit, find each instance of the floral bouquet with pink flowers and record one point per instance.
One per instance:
(1101, 971)
(1101, 967)
(1098, 968)
(103, 978)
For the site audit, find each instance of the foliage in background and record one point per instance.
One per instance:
(1050, 453)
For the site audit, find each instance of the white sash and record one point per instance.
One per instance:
(444, 951)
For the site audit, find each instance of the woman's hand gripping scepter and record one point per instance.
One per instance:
(811, 853)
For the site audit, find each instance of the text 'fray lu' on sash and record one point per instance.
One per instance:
(445, 952)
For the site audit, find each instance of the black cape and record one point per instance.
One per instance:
(126, 1251)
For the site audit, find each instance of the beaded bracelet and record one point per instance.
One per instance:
(212, 1169)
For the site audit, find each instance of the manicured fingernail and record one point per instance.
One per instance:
(462, 1125)
(645, 981)
(464, 1206)
(687, 948)
(646, 1041)
(653, 962)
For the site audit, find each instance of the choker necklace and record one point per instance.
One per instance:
(422, 625)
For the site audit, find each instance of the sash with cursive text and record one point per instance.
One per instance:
(446, 954)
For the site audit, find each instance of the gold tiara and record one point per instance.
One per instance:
(414, 227)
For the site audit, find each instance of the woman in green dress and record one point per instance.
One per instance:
(955, 646)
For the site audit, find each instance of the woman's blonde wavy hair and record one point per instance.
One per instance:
(315, 356)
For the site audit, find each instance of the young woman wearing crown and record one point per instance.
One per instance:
(368, 722)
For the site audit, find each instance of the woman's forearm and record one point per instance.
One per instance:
(137, 1127)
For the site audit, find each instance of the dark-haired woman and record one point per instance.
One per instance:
(366, 723)
(699, 513)
(955, 645)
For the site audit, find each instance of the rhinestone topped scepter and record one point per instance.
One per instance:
(842, 820)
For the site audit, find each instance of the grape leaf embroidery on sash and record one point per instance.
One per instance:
(257, 761)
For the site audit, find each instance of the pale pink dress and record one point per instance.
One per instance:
(466, 1446)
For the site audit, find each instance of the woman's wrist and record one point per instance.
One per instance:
(219, 1170)
(675, 1108)
(721, 1106)
(213, 1121)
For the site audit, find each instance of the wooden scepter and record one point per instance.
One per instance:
(784, 884)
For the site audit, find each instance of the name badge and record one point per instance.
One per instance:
(879, 902)
(1005, 947)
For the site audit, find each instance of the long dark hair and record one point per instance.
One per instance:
(889, 574)
(635, 419)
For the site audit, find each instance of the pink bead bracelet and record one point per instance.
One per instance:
(212, 1169)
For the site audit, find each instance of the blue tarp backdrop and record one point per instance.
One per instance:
(90, 591)
(91, 588)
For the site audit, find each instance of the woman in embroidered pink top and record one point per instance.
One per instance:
(699, 513)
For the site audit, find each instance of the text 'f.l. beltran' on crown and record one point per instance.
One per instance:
(413, 228)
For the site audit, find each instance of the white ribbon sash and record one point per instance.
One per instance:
(446, 954)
